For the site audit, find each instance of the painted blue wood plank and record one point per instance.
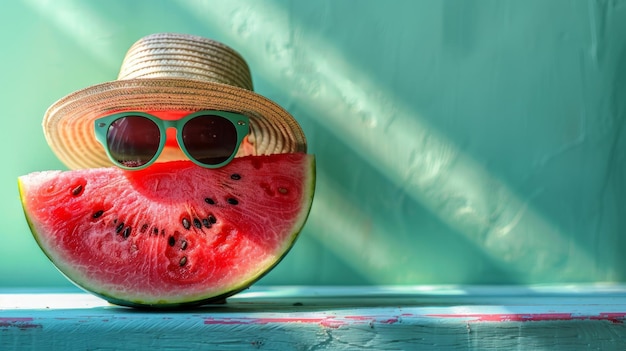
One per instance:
(297, 318)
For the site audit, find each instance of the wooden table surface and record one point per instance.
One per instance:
(576, 317)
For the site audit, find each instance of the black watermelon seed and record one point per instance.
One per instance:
(171, 241)
(126, 233)
(235, 176)
(144, 227)
(232, 201)
(209, 201)
(212, 219)
(155, 231)
(206, 222)
(77, 190)
(119, 227)
(197, 223)
(183, 261)
(186, 223)
(98, 213)
(183, 244)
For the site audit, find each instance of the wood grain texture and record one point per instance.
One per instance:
(337, 318)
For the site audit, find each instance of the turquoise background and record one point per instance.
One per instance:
(458, 142)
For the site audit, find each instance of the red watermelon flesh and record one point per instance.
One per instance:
(174, 233)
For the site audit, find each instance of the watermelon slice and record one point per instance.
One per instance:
(174, 234)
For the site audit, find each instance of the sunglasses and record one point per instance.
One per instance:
(134, 140)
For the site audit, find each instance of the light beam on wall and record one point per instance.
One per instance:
(415, 156)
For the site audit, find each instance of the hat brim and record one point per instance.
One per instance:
(69, 123)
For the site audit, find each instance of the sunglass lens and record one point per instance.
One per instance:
(133, 140)
(210, 139)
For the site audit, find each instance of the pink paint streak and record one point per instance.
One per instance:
(389, 321)
(360, 318)
(18, 322)
(325, 322)
(329, 322)
(534, 317)
(372, 319)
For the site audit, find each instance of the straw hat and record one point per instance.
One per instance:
(169, 72)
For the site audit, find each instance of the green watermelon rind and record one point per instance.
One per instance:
(307, 198)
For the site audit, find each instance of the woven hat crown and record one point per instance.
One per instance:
(188, 57)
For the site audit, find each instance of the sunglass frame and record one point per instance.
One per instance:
(102, 124)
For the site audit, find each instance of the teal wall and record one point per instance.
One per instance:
(458, 142)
